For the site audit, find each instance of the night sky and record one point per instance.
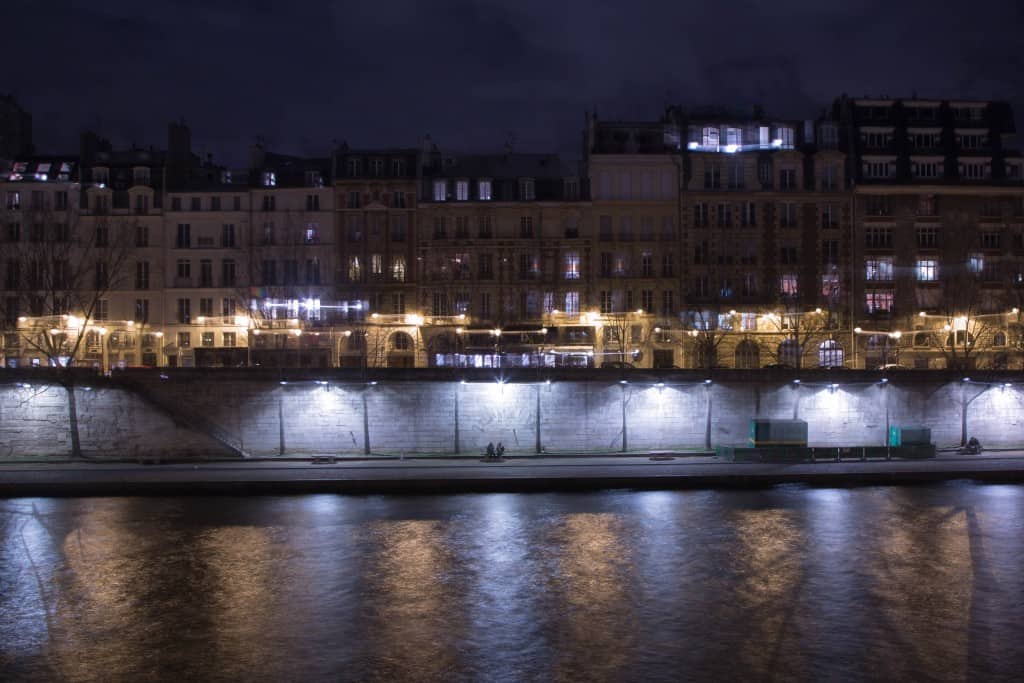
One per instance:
(305, 73)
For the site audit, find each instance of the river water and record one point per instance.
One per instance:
(881, 583)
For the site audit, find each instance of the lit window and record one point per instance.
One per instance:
(878, 269)
(709, 137)
(483, 189)
(878, 301)
(462, 190)
(440, 190)
(927, 270)
(572, 266)
(572, 303)
(398, 268)
(976, 262)
(269, 179)
(788, 284)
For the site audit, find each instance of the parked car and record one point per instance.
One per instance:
(779, 366)
(892, 366)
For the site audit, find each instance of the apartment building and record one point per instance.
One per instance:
(720, 240)
(886, 231)
(503, 258)
(376, 195)
(939, 215)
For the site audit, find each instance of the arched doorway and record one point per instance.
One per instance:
(353, 350)
(830, 354)
(401, 353)
(748, 355)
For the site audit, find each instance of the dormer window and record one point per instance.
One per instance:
(225, 177)
(526, 189)
(785, 138)
(42, 171)
(377, 166)
(101, 175)
(971, 139)
(709, 137)
(65, 171)
(140, 176)
(269, 179)
(440, 190)
(18, 171)
(462, 190)
(314, 179)
(828, 136)
(483, 190)
(398, 167)
(967, 113)
(572, 188)
(355, 167)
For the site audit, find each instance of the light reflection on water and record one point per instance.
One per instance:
(914, 583)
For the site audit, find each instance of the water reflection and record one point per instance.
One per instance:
(591, 578)
(918, 583)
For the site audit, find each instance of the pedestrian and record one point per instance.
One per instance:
(490, 450)
(501, 450)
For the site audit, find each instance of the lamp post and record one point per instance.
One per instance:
(497, 340)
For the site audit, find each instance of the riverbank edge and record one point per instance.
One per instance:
(296, 483)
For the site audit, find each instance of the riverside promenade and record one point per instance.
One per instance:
(438, 474)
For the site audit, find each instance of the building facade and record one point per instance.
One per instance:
(885, 232)
(939, 213)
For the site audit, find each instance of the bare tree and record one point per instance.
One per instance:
(967, 318)
(625, 333)
(799, 331)
(60, 268)
(709, 320)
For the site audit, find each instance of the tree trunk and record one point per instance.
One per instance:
(76, 444)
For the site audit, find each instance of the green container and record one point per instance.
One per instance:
(764, 432)
(909, 436)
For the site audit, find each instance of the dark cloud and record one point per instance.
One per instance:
(469, 72)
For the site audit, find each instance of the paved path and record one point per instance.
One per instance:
(466, 474)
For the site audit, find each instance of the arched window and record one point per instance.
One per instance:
(830, 354)
(748, 355)
(400, 351)
(356, 341)
(922, 339)
(400, 341)
(790, 352)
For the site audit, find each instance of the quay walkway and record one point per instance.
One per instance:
(438, 474)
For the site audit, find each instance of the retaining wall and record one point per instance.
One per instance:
(231, 413)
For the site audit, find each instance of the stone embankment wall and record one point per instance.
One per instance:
(237, 414)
